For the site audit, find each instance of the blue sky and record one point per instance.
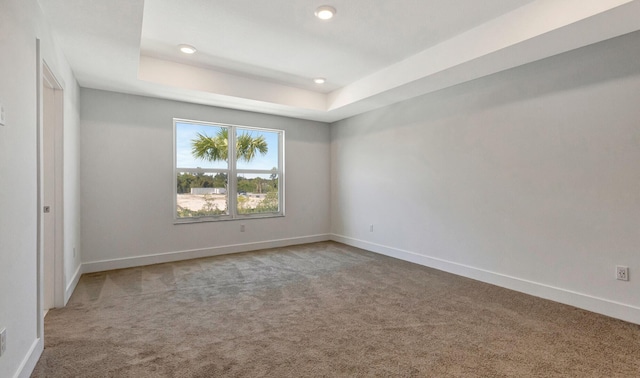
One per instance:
(186, 132)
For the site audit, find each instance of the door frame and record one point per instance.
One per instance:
(46, 76)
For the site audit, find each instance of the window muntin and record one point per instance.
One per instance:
(225, 172)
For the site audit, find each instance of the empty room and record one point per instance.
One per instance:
(236, 188)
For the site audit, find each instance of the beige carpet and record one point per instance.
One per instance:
(322, 310)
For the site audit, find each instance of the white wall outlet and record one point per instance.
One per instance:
(622, 273)
(370, 228)
(2, 117)
(74, 251)
(3, 341)
(242, 228)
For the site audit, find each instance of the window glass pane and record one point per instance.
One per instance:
(256, 149)
(258, 193)
(201, 194)
(201, 146)
(203, 168)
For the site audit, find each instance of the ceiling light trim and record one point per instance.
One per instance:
(187, 49)
(325, 12)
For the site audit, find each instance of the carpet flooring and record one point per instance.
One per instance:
(322, 310)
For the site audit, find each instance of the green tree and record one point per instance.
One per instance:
(184, 182)
(245, 185)
(220, 180)
(216, 148)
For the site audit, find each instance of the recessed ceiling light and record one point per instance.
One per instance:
(319, 80)
(325, 12)
(187, 49)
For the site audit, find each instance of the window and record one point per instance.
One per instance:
(227, 172)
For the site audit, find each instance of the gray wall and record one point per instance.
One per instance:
(127, 143)
(21, 23)
(529, 178)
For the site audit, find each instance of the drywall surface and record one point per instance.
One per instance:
(21, 23)
(127, 183)
(528, 178)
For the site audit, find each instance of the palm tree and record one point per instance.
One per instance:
(216, 148)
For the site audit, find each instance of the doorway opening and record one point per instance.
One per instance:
(50, 192)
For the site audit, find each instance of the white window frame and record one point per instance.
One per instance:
(232, 175)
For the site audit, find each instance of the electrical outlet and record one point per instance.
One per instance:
(622, 273)
(74, 252)
(370, 228)
(242, 228)
(2, 116)
(3, 341)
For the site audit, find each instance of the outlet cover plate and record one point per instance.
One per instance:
(3, 341)
(622, 273)
(2, 117)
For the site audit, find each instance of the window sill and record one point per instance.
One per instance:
(225, 219)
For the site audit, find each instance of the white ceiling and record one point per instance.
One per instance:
(263, 55)
(282, 41)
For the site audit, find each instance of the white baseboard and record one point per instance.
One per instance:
(587, 302)
(30, 360)
(130, 262)
(72, 284)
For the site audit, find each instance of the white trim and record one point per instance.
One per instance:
(72, 284)
(130, 262)
(51, 81)
(599, 305)
(30, 360)
(39, 198)
(45, 76)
